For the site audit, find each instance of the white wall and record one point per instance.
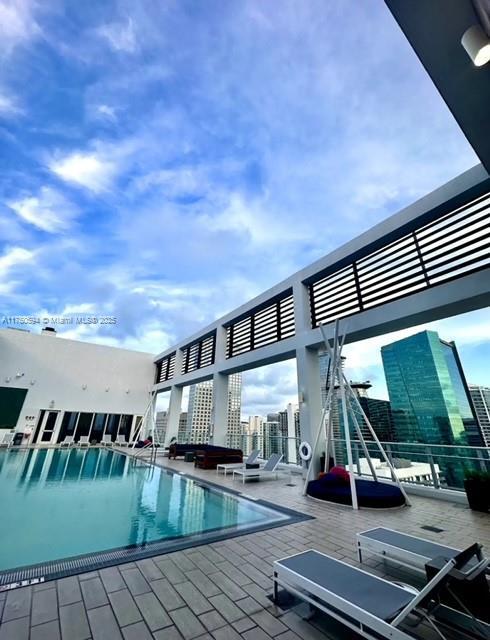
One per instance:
(55, 369)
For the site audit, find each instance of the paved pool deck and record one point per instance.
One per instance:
(220, 591)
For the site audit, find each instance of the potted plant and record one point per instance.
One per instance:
(477, 487)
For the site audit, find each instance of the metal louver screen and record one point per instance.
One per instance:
(262, 327)
(199, 354)
(165, 369)
(445, 249)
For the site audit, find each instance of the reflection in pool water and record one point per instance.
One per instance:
(59, 503)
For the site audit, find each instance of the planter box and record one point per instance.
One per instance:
(478, 494)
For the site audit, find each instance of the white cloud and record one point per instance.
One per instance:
(48, 211)
(106, 111)
(14, 256)
(12, 262)
(89, 170)
(17, 23)
(121, 36)
(9, 106)
(251, 219)
(184, 181)
(83, 307)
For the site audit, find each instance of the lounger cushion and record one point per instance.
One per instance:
(375, 595)
(372, 494)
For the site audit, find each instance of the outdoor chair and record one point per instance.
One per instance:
(269, 470)
(68, 441)
(407, 550)
(84, 441)
(229, 466)
(106, 441)
(7, 440)
(374, 607)
(121, 441)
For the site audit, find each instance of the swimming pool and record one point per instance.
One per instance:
(64, 511)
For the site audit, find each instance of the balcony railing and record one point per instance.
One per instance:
(437, 466)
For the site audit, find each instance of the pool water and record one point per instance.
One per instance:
(60, 503)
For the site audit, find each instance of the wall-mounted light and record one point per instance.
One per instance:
(7, 379)
(32, 382)
(127, 390)
(51, 404)
(477, 45)
(84, 386)
(106, 389)
(19, 375)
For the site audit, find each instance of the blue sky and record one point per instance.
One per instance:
(163, 162)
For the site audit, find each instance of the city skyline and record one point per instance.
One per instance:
(268, 428)
(275, 386)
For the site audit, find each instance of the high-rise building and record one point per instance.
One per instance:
(324, 362)
(252, 434)
(481, 403)
(378, 412)
(199, 411)
(379, 415)
(272, 440)
(161, 420)
(290, 433)
(234, 433)
(182, 434)
(429, 399)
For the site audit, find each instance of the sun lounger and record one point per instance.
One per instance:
(402, 548)
(68, 441)
(121, 441)
(106, 441)
(229, 466)
(84, 441)
(370, 606)
(269, 470)
(7, 440)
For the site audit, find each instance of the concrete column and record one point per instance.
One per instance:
(219, 411)
(173, 414)
(291, 447)
(175, 403)
(310, 398)
(308, 372)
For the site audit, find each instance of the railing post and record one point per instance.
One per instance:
(356, 456)
(481, 461)
(389, 453)
(435, 477)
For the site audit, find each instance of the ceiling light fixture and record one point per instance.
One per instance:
(476, 39)
(477, 45)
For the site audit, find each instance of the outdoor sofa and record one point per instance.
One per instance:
(207, 456)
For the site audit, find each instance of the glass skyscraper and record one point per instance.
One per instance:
(429, 396)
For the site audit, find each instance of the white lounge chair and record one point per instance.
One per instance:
(121, 441)
(373, 607)
(7, 440)
(69, 441)
(106, 441)
(84, 441)
(229, 466)
(269, 470)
